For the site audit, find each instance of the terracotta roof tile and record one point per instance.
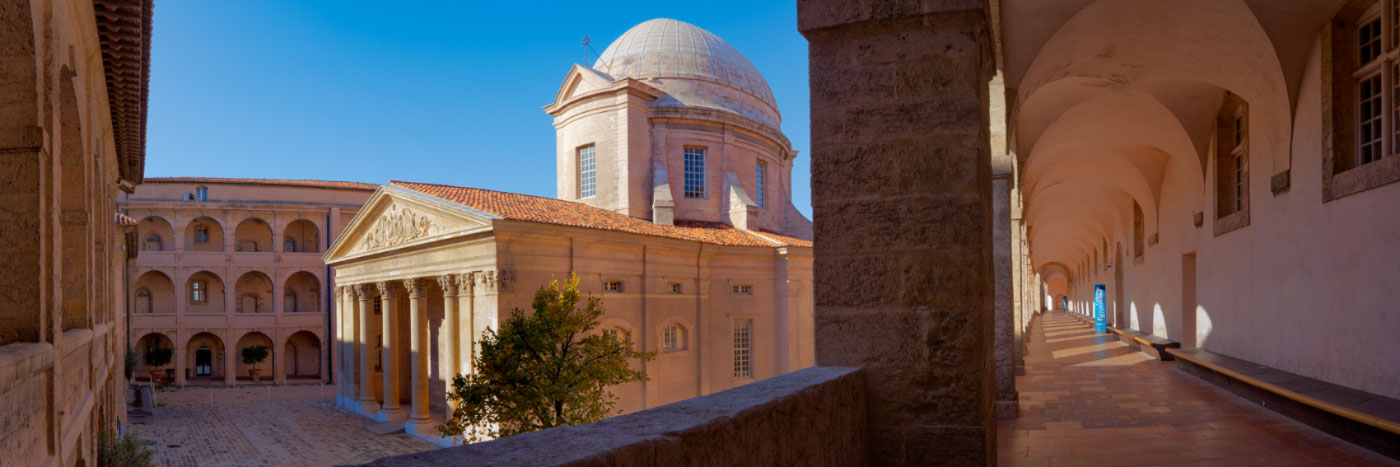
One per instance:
(515, 206)
(268, 182)
(124, 33)
(123, 219)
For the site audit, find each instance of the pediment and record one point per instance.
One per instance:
(581, 80)
(391, 220)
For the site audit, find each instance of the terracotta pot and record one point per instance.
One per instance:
(155, 376)
(254, 373)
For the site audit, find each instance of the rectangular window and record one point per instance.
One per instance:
(670, 338)
(743, 344)
(758, 176)
(612, 286)
(201, 235)
(378, 306)
(695, 173)
(675, 287)
(201, 193)
(1370, 119)
(743, 289)
(587, 172)
(197, 292)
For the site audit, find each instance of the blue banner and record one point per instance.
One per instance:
(1100, 317)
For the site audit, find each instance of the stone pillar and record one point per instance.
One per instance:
(902, 202)
(230, 360)
(1006, 273)
(279, 355)
(418, 420)
(364, 385)
(181, 357)
(389, 411)
(1017, 260)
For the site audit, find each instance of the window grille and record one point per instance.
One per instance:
(588, 173)
(743, 343)
(695, 173)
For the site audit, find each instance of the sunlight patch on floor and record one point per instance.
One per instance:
(1070, 352)
(1121, 360)
(1070, 338)
(1066, 333)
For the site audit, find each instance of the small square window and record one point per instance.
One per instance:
(612, 286)
(676, 287)
(745, 290)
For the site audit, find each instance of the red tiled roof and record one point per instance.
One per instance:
(268, 182)
(123, 219)
(518, 207)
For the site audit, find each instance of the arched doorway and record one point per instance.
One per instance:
(302, 356)
(263, 367)
(205, 354)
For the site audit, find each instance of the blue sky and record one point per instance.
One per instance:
(443, 93)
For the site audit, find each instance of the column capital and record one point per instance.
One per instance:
(450, 284)
(414, 287)
(386, 289)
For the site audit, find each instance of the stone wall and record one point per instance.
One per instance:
(814, 416)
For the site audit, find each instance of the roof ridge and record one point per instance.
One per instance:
(247, 180)
(512, 193)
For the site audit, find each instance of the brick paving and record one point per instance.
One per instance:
(1089, 400)
(289, 425)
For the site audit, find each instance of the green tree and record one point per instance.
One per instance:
(543, 369)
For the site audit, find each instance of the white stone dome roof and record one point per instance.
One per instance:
(666, 48)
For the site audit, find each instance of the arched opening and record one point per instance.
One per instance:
(155, 293)
(205, 354)
(154, 355)
(78, 237)
(204, 293)
(253, 293)
(245, 367)
(155, 234)
(301, 294)
(302, 357)
(204, 234)
(301, 236)
(252, 235)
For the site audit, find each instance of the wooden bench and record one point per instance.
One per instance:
(1148, 343)
(1369, 420)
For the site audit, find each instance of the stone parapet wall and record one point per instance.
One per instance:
(814, 416)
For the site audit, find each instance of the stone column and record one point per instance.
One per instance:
(389, 411)
(450, 341)
(902, 202)
(418, 420)
(1018, 280)
(181, 359)
(364, 385)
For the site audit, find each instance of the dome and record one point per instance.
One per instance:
(665, 48)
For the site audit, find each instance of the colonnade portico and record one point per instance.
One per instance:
(407, 309)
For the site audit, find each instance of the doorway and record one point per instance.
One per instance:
(1188, 300)
(203, 362)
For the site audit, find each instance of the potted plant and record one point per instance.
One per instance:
(253, 355)
(157, 357)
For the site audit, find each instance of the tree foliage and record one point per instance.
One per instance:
(543, 369)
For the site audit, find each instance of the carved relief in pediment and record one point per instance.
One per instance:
(398, 225)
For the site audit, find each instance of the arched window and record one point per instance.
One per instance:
(153, 243)
(143, 301)
(289, 302)
(289, 245)
(673, 338)
(198, 292)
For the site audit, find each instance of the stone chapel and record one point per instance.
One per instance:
(673, 206)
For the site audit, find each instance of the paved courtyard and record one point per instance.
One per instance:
(1088, 399)
(271, 426)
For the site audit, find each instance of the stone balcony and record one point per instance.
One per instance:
(814, 416)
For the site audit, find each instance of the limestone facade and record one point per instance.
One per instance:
(231, 263)
(72, 124)
(674, 208)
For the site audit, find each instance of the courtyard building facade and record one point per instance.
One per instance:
(673, 207)
(228, 264)
(73, 80)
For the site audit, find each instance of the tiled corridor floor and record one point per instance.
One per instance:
(1089, 399)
